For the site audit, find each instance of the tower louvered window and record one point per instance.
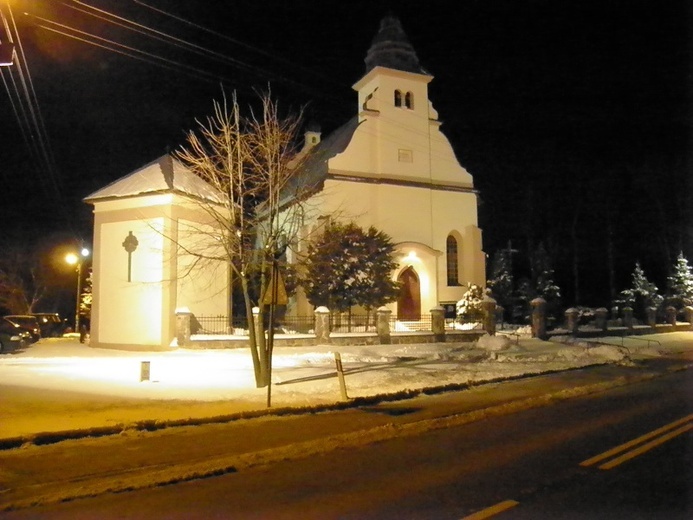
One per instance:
(409, 100)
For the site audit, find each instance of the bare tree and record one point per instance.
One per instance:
(21, 283)
(252, 162)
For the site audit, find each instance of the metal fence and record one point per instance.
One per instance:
(339, 323)
(210, 325)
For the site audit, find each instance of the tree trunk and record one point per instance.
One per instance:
(252, 336)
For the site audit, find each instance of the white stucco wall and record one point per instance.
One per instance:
(140, 313)
(202, 283)
(131, 311)
(419, 221)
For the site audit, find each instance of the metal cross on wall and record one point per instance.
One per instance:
(130, 244)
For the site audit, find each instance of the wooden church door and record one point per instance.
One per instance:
(409, 302)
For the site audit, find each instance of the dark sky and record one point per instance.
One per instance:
(573, 116)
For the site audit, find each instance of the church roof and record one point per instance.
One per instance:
(390, 48)
(162, 175)
(312, 171)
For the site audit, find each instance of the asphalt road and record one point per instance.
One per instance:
(534, 463)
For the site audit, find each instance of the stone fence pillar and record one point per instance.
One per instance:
(671, 315)
(383, 325)
(600, 318)
(538, 318)
(651, 314)
(183, 318)
(438, 323)
(488, 305)
(614, 313)
(571, 320)
(628, 317)
(688, 312)
(322, 325)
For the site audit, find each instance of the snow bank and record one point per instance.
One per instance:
(494, 343)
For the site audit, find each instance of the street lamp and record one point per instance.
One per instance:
(75, 259)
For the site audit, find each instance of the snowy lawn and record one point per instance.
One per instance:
(81, 385)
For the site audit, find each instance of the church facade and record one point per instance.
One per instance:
(391, 167)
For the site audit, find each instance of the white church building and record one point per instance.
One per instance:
(389, 167)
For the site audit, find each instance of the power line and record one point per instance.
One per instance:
(238, 42)
(27, 111)
(156, 34)
(123, 49)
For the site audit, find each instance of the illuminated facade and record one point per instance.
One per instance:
(143, 225)
(391, 167)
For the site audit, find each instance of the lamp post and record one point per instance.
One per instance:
(75, 259)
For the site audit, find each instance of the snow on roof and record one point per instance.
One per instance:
(164, 174)
(312, 169)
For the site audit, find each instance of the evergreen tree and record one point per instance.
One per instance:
(86, 297)
(375, 287)
(540, 283)
(543, 278)
(501, 282)
(469, 308)
(346, 266)
(680, 284)
(641, 294)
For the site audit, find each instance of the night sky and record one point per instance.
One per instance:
(573, 116)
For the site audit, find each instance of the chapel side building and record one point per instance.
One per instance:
(391, 167)
(145, 226)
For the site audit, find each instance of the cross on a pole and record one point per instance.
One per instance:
(130, 244)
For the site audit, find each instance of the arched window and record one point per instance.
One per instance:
(398, 98)
(409, 100)
(452, 264)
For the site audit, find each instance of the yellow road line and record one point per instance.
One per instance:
(645, 447)
(635, 442)
(491, 511)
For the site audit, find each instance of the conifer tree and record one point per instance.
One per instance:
(347, 266)
(501, 282)
(680, 284)
(543, 277)
(469, 307)
(377, 288)
(641, 294)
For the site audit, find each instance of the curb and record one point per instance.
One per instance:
(144, 478)
(45, 438)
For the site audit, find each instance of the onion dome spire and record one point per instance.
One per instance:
(391, 48)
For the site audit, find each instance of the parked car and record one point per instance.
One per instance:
(50, 323)
(28, 323)
(12, 336)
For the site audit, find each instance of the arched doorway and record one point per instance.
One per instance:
(409, 302)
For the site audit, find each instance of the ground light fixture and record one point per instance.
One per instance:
(77, 260)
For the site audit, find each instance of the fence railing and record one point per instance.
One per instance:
(322, 324)
(222, 325)
(210, 325)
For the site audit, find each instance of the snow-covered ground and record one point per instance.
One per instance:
(62, 376)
